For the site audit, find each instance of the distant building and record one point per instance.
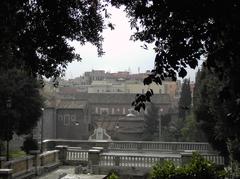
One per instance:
(75, 115)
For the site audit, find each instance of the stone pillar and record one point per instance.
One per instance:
(93, 159)
(94, 156)
(6, 173)
(116, 160)
(186, 157)
(62, 155)
(2, 161)
(36, 163)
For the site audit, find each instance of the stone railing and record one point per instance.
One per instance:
(131, 145)
(160, 146)
(100, 161)
(75, 154)
(219, 160)
(28, 166)
(20, 166)
(143, 161)
(49, 158)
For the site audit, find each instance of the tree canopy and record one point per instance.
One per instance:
(185, 101)
(185, 32)
(20, 103)
(214, 115)
(34, 34)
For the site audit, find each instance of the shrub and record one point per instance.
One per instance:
(198, 168)
(113, 176)
(29, 144)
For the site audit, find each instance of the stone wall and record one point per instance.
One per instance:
(28, 166)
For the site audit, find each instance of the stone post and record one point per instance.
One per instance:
(186, 157)
(62, 155)
(36, 163)
(116, 160)
(94, 156)
(2, 161)
(93, 159)
(6, 173)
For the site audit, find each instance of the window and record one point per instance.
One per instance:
(60, 117)
(73, 118)
(104, 111)
(124, 111)
(66, 120)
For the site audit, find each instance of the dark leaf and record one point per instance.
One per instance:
(182, 73)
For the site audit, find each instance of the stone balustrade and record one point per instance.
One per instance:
(142, 161)
(77, 155)
(28, 166)
(20, 166)
(131, 145)
(98, 158)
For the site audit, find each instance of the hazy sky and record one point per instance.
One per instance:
(121, 53)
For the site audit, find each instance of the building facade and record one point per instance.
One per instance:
(75, 116)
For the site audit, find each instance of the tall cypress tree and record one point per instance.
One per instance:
(185, 100)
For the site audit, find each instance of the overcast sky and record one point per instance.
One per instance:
(121, 53)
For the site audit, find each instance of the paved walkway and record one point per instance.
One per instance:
(67, 172)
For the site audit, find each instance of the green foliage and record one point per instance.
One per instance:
(215, 116)
(25, 103)
(198, 168)
(185, 100)
(17, 154)
(29, 144)
(191, 131)
(184, 32)
(164, 170)
(113, 176)
(173, 132)
(35, 34)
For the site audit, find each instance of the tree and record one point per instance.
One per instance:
(29, 144)
(191, 131)
(151, 121)
(35, 34)
(20, 103)
(185, 100)
(184, 32)
(214, 115)
(35, 38)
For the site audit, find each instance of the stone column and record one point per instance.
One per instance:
(6, 173)
(62, 155)
(36, 163)
(2, 161)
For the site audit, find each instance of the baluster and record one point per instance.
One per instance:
(74, 155)
(67, 155)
